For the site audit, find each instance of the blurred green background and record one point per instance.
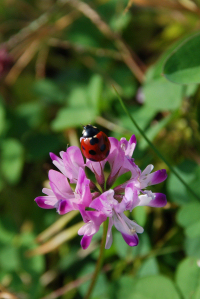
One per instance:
(58, 62)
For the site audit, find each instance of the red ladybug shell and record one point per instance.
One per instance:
(96, 148)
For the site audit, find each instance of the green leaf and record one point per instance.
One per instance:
(121, 246)
(183, 66)
(101, 286)
(143, 247)
(95, 89)
(9, 259)
(189, 214)
(194, 184)
(187, 277)
(77, 98)
(34, 264)
(193, 230)
(6, 234)
(50, 92)
(71, 117)
(197, 293)
(177, 191)
(192, 247)
(155, 287)
(12, 160)
(162, 94)
(150, 287)
(148, 267)
(125, 287)
(155, 71)
(191, 90)
(32, 112)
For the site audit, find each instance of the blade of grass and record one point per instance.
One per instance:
(56, 226)
(153, 147)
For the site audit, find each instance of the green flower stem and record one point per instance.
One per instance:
(99, 261)
(154, 148)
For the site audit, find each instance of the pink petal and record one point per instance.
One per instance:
(58, 162)
(150, 199)
(128, 146)
(64, 207)
(131, 197)
(97, 169)
(115, 159)
(83, 189)
(159, 201)
(54, 157)
(61, 183)
(147, 170)
(131, 240)
(157, 177)
(47, 191)
(85, 241)
(109, 237)
(129, 165)
(46, 202)
(73, 160)
(105, 203)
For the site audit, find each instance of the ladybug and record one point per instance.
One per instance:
(95, 144)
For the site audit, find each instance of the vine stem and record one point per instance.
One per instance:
(99, 261)
(153, 147)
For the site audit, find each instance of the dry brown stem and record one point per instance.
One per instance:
(127, 55)
(173, 5)
(68, 287)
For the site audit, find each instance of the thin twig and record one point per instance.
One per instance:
(68, 287)
(105, 29)
(174, 5)
(22, 62)
(40, 65)
(56, 241)
(56, 226)
(110, 125)
(102, 52)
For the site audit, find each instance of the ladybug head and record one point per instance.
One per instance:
(90, 131)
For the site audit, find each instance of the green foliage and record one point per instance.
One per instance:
(187, 278)
(15, 264)
(163, 95)
(183, 65)
(83, 106)
(155, 287)
(177, 191)
(66, 60)
(12, 160)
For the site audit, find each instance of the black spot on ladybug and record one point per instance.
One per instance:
(91, 152)
(103, 147)
(93, 141)
(83, 148)
(107, 153)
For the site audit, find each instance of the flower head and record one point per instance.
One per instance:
(96, 206)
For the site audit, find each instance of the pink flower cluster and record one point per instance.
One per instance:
(107, 203)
